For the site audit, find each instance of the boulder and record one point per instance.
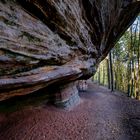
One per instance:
(57, 42)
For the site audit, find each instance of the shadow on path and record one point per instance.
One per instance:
(102, 115)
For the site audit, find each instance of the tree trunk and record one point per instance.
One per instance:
(138, 72)
(108, 74)
(111, 72)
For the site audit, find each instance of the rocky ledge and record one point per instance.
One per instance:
(57, 42)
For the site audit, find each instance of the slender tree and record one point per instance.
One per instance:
(111, 72)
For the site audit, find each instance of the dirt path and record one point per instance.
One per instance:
(102, 115)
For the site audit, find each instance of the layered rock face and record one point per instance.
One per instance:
(46, 42)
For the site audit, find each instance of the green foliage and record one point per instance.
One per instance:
(126, 63)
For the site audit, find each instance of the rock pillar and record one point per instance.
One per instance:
(82, 85)
(67, 96)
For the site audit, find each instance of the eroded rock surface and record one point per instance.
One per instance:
(45, 42)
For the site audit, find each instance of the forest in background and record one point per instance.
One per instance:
(120, 70)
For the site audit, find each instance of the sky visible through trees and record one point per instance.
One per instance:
(120, 70)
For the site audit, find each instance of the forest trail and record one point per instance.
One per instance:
(101, 115)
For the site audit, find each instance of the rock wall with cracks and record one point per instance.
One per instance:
(46, 42)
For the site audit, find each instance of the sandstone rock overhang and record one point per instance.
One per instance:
(45, 42)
